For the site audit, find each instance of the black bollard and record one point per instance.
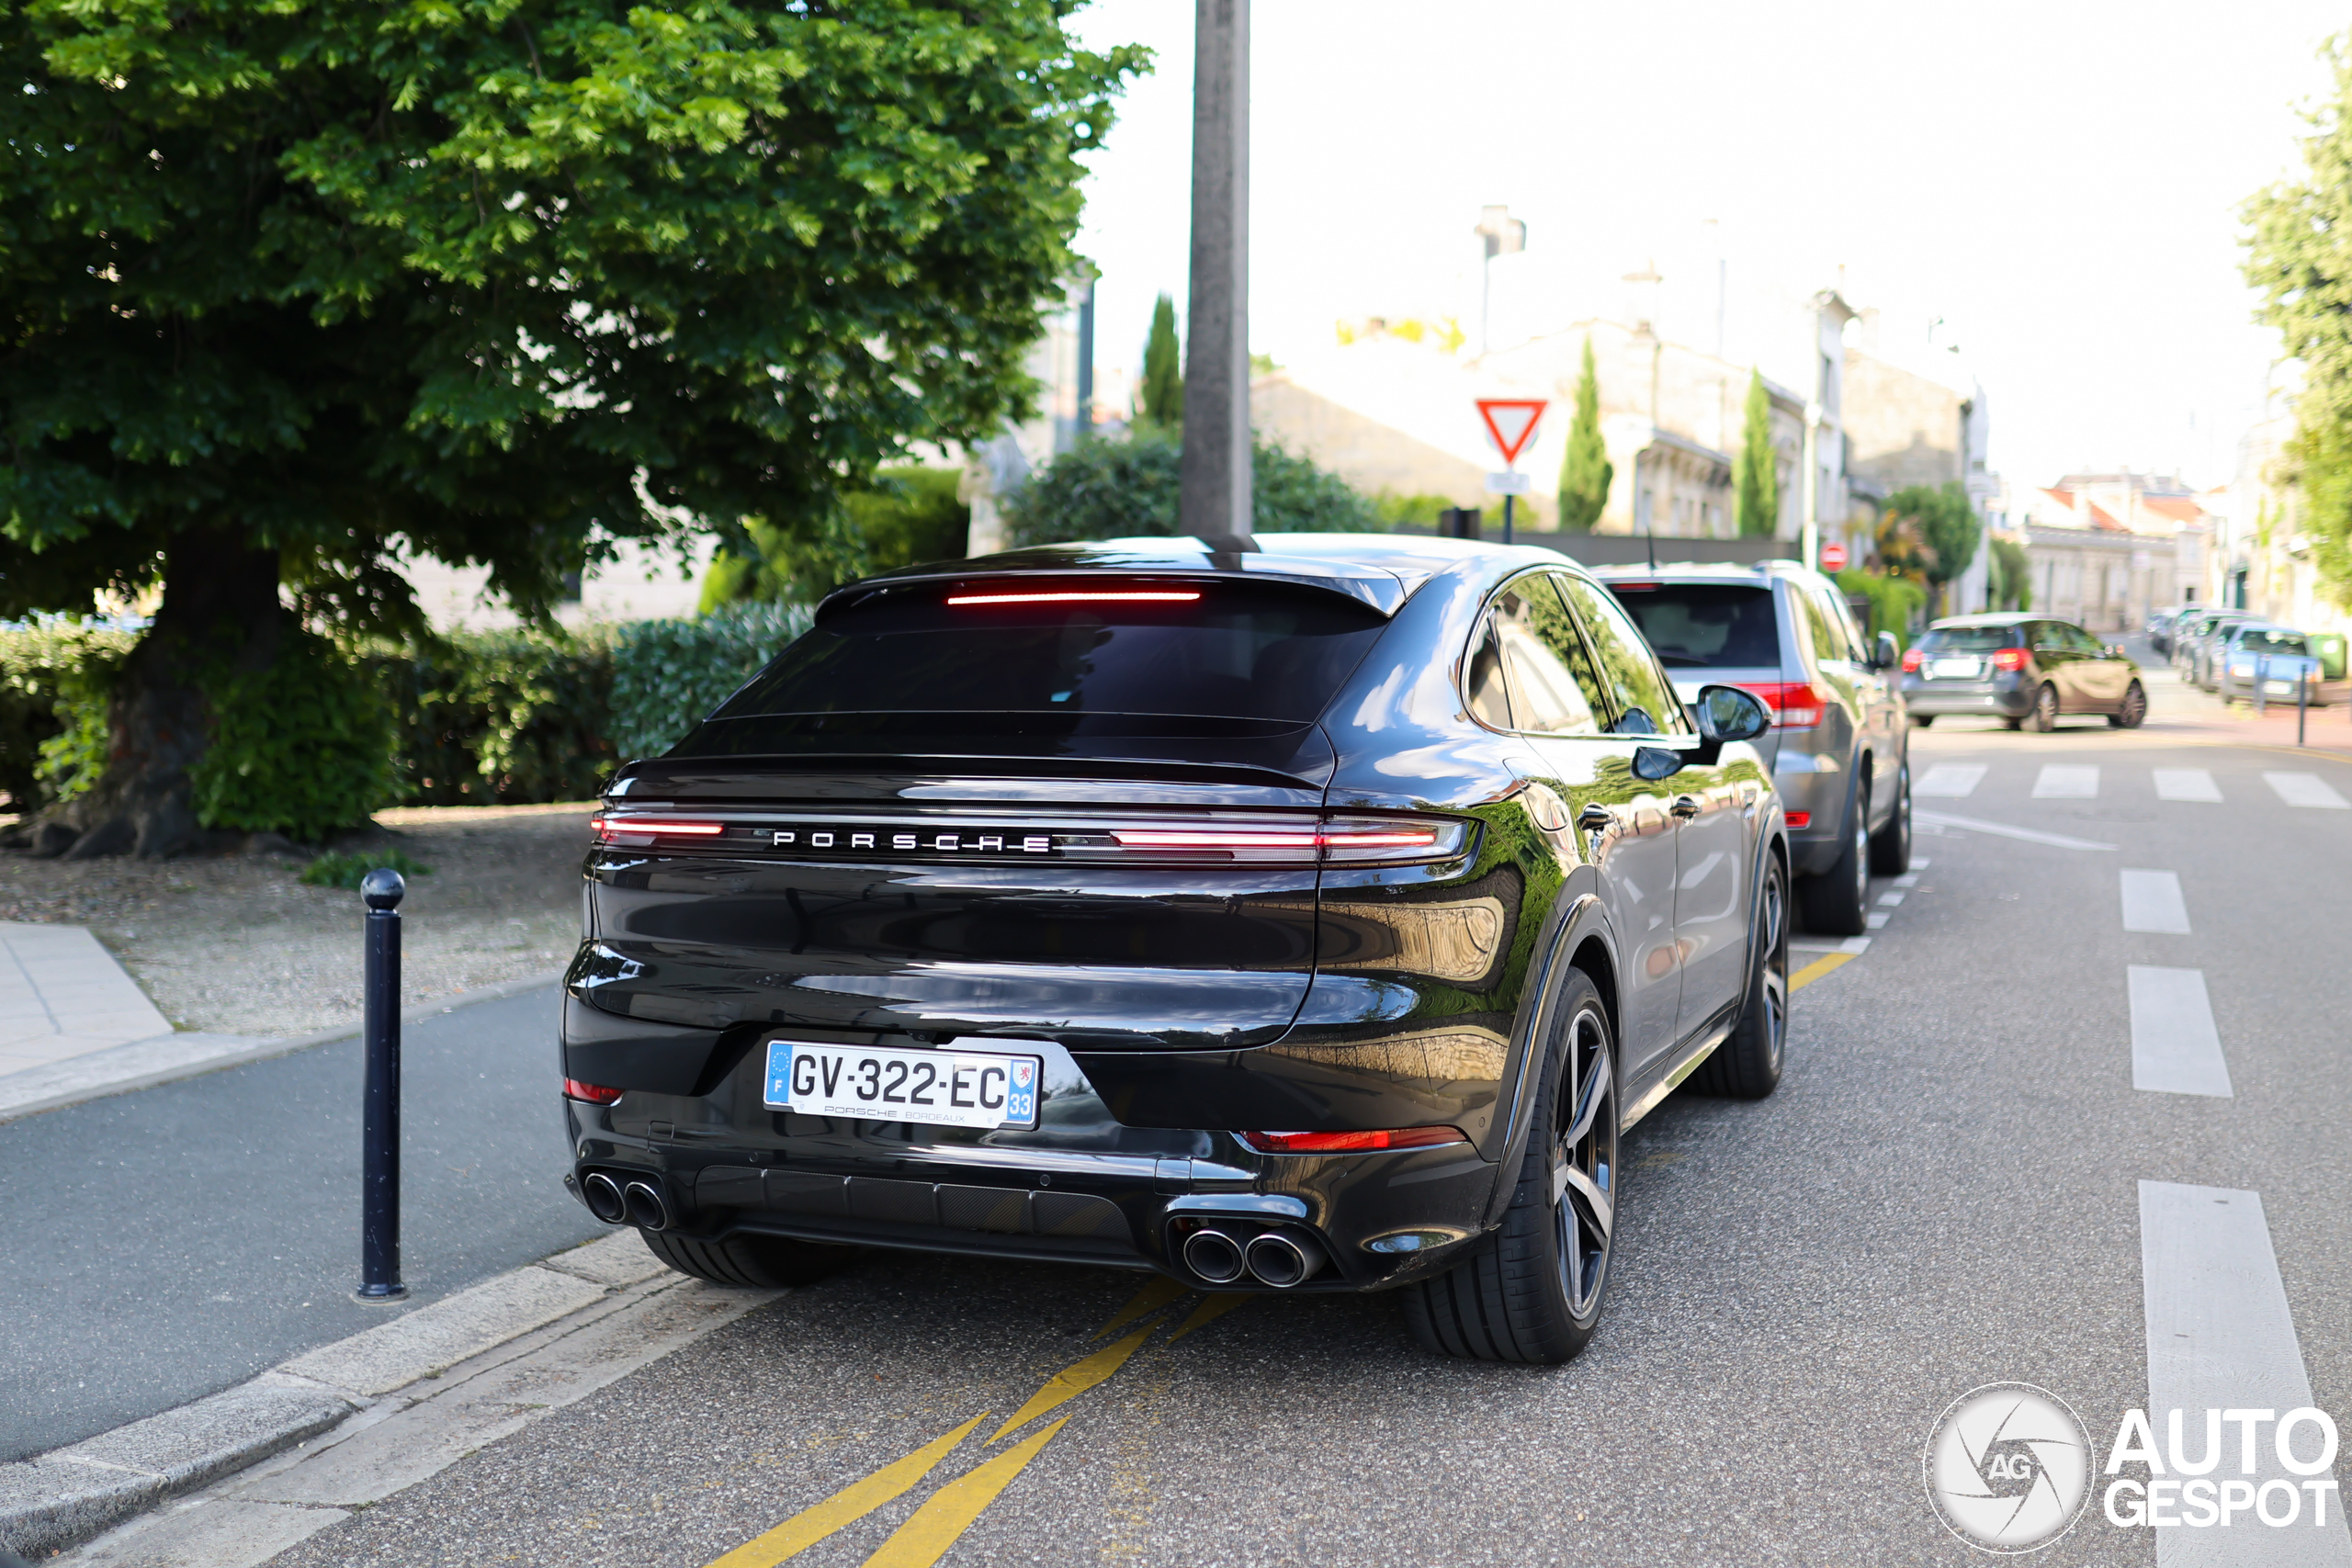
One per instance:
(379, 1150)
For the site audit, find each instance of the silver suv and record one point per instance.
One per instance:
(1839, 747)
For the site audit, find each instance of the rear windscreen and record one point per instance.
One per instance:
(1970, 639)
(1705, 626)
(2272, 642)
(1201, 648)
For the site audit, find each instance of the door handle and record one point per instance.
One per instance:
(1596, 818)
(1685, 805)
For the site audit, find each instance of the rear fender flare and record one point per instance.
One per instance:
(1584, 918)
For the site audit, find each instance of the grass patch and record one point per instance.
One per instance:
(344, 868)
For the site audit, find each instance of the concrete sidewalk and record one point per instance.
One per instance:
(173, 1242)
(62, 996)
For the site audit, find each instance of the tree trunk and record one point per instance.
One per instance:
(219, 614)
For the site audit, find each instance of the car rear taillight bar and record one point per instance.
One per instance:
(1794, 705)
(2009, 657)
(1353, 1142)
(1170, 596)
(1099, 839)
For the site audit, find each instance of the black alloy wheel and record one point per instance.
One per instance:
(1836, 902)
(1747, 1066)
(1535, 1295)
(2133, 712)
(2044, 717)
(1890, 845)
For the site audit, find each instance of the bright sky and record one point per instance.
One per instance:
(2057, 180)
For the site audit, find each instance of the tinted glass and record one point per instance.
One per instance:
(1834, 634)
(2048, 637)
(1482, 680)
(1970, 639)
(2085, 643)
(2273, 642)
(1236, 652)
(1644, 703)
(1540, 643)
(1706, 625)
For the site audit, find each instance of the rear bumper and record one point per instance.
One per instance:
(1082, 1188)
(2010, 696)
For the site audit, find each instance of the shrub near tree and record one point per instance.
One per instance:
(1110, 489)
(1162, 398)
(289, 285)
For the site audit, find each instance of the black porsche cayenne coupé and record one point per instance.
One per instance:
(1313, 915)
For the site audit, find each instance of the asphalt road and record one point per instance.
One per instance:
(166, 1243)
(1943, 1194)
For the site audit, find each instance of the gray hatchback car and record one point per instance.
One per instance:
(1839, 747)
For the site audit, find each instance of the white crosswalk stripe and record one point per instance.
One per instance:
(2307, 789)
(2186, 784)
(2151, 902)
(2061, 781)
(1951, 781)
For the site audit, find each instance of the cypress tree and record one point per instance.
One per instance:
(1163, 376)
(1754, 470)
(1585, 472)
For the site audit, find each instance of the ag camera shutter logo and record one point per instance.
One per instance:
(2009, 1467)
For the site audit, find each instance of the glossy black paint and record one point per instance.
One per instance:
(1175, 1005)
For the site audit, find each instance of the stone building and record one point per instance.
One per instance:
(2104, 549)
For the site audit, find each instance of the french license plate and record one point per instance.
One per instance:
(879, 1083)
(1954, 669)
(2279, 688)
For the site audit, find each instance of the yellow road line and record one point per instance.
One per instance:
(1150, 1299)
(1817, 968)
(936, 1526)
(1074, 1380)
(846, 1507)
(1208, 1311)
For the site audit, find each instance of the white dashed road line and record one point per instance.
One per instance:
(2186, 784)
(2222, 1340)
(2175, 1047)
(2002, 830)
(2059, 780)
(2307, 789)
(1951, 781)
(2151, 902)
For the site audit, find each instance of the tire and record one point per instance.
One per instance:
(759, 1260)
(1747, 1066)
(2135, 711)
(1836, 902)
(1923, 719)
(2013, 723)
(1535, 1296)
(2044, 717)
(1890, 845)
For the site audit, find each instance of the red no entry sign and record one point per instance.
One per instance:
(1833, 557)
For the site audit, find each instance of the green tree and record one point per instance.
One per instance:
(910, 514)
(1945, 523)
(291, 287)
(1756, 467)
(2008, 575)
(2296, 259)
(1585, 472)
(1110, 489)
(1163, 368)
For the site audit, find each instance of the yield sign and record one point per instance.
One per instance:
(1511, 421)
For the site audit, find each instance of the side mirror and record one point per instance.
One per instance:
(1652, 763)
(1889, 651)
(1727, 712)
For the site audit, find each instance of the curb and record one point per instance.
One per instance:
(67, 1495)
(235, 1052)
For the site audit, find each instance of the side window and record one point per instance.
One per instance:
(1643, 700)
(1482, 680)
(1832, 628)
(2087, 644)
(2047, 637)
(1535, 634)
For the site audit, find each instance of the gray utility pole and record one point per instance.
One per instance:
(1213, 500)
(1503, 236)
(1086, 279)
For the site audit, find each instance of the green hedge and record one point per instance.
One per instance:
(477, 718)
(1895, 602)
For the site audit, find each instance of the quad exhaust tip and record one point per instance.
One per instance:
(644, 1206)
(1282, 1260)
(603, 1198)
(1214, 1255)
